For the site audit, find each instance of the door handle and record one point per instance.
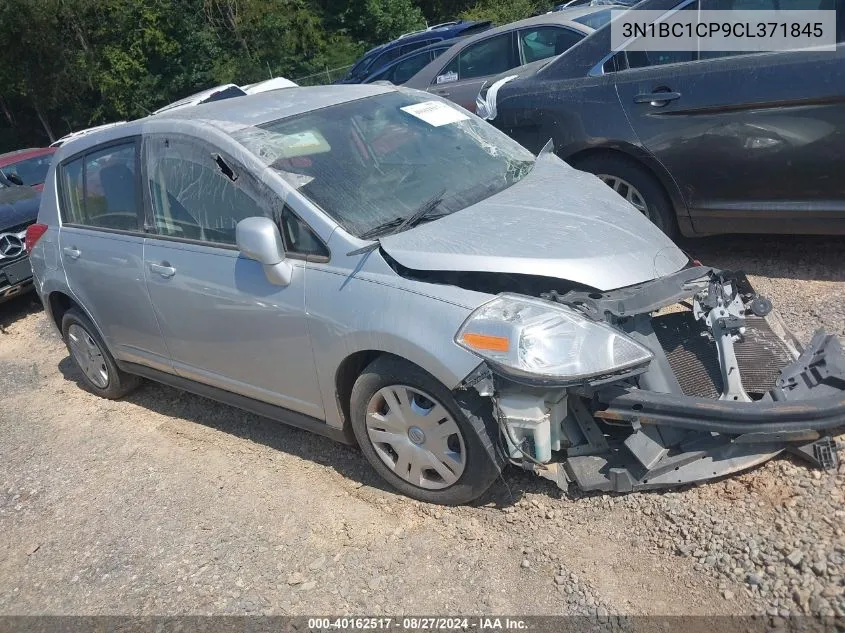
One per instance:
(656, 99)
(164, 269)
(72, 252)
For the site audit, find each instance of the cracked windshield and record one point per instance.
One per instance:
(383, 158)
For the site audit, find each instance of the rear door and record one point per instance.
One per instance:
(754, 141)
(460, 78)
(101, 244)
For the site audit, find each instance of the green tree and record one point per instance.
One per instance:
(38, 67)
(70, 64)
(504, 11)
(384, 20)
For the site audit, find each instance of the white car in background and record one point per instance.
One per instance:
(217, 93)
(276, 83)
(227, 91)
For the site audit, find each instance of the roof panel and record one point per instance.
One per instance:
(254, 110)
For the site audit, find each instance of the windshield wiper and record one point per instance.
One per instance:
(382, 228)
(424, 210)
(397, 225)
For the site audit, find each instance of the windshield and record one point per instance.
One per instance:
(379, 159)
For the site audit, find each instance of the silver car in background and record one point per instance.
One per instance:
(380, 266)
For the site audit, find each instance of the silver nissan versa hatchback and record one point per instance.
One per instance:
(380, 266)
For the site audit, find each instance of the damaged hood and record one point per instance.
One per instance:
(556, 222)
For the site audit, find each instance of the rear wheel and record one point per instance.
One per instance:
(419, 438)
(100, 373)
(636, 185)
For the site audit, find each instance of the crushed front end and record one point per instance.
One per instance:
(712, 384)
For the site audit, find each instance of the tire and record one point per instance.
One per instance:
(80, 336)
(474, 459)
(658, 206)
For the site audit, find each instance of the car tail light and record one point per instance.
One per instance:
(33, 234)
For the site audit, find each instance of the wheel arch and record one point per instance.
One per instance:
(636, 157)
(346, 375)
(59, 303)
(351, 367)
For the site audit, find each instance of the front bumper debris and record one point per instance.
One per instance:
(807, 402)
(729, 388)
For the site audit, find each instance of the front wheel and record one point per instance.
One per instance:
(418, 438)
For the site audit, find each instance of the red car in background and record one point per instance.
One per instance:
(29, 165)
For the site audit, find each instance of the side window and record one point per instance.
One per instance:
(488, 57)
(641, 59)
(100, 189)
(546, 41)
(406, 69)
(298, 238)
(198, 194)
(407, 48)
(385, 58)
(73, 211)
(437, 52)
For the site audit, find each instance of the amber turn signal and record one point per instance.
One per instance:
(485, 342)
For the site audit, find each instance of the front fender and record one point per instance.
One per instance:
(350, 313)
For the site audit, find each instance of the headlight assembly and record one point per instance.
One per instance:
(542, 341)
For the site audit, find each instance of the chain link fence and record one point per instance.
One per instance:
(327, 76)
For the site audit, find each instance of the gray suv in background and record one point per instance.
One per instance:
(459, 73)
(381, 266)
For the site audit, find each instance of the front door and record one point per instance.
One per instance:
(461, 77)
(754, 141)
(224, 323)
(101, 245)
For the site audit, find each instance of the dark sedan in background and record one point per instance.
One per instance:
(378, 57)
(402, 69)
(700, 143)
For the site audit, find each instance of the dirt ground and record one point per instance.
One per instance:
(166, 503)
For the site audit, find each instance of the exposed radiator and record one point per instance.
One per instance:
(692, 354)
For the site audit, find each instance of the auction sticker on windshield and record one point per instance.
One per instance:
(435, 113)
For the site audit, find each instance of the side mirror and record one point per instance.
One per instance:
(14, 179)
(259, 239)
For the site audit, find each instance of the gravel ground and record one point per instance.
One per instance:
(165, 503)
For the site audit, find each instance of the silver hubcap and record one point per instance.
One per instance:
(627, 191)
(88, 355)
(416, 437)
